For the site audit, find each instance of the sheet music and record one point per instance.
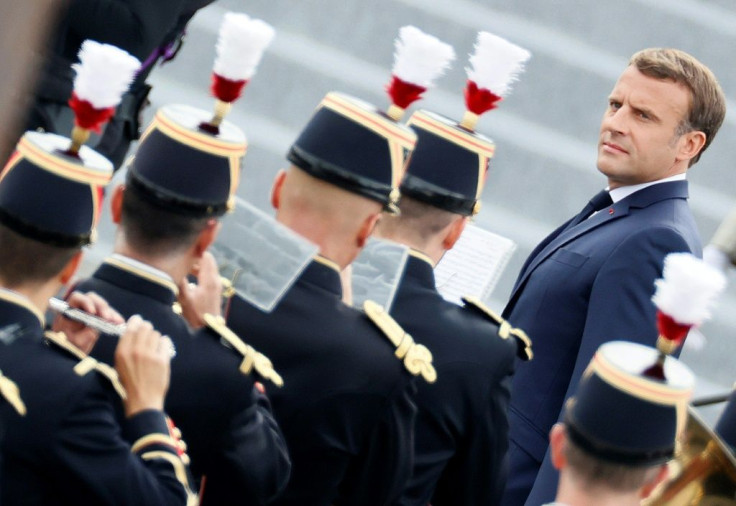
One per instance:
(377, 272)
(474, 265)
(260, 256)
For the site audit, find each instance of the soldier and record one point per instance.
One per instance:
(462, 424)
(619, 429)
(70, 447)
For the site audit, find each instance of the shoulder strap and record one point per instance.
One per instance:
(86, 363)
(417, 358)
(523, 343)
(252, 359)
(9, 390)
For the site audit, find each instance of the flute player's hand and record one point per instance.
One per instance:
(77, 333)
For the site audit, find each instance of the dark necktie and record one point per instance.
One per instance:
(600, 201)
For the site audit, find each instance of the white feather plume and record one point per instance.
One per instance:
(688, 289)
(420, 58)
(496, 63)
(240, 46)
(104, 74)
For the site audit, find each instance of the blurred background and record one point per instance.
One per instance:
(546, 129)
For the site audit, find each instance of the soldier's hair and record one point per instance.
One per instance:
(707, 101)
(594, 473)
(418, 219)
(24, 260)
(155, 230)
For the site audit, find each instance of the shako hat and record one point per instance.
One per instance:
(449, 165)
(355, 145)
(51, 188)
(188, 160)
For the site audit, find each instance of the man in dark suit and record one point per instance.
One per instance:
(346, 405)
(592, 278)
(86, 435)
(182, 179)
(462, 419)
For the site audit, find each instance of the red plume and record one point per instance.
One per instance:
(87, 116)
(480, 100)
(226, 89)
(403, 93)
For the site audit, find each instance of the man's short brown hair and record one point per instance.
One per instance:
(24, 260)
(707, 103)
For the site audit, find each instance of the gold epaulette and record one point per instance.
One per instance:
(417, 358)
(9, 390)
(252, 359)
(524, 344)
(86, 363)
(228, 290)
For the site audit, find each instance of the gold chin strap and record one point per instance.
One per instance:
(251, 358)
(416, 357)
(9, 390)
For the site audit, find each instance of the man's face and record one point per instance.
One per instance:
(638, 141)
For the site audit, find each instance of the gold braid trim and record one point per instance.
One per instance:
(505, 329)
(416, 357)
(252, 359)
(10, 391)
(179, 469)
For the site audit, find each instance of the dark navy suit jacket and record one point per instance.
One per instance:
(582, 286)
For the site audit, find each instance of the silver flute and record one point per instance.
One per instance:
(92, 321)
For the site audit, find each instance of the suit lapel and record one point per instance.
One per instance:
(642, 198)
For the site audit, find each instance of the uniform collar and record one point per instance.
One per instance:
(138, 277)
(324, 273)
(419, 267)
(22, 309)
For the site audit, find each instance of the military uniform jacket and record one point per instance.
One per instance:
(345, 407)
(236, 447)
(69, 447)
(462, 426)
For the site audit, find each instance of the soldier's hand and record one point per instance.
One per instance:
(77, 333)
(203, 297)
(142, 360)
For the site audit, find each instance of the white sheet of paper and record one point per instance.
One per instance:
(474, 265)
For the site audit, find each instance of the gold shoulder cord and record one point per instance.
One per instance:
(9, 390)
(504, 327)
(417, 358)
(251, 358)
(86, 363)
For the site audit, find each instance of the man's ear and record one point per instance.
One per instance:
(454, 230)
(691, 143)
(116, 203)
(649, 487)
(366, 229)
(70, 268)
(557, 442)
(206, 237)
(278, 184)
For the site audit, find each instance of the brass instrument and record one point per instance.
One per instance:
(703, 472)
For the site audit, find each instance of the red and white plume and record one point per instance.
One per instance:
(684, 297)
(495, 64)
(240, 46)
(104, 74)
(419, 59)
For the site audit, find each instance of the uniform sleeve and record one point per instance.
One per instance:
(378, 476)
(254, 462)
(100, 464)
(138, 26)
(619, 308)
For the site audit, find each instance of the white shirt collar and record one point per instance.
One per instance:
(622, 192)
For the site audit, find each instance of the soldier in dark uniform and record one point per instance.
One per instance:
(462, 424)
(148, 30)
(618, 431)
(346, 406)
(71, 447)
(181, 180)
